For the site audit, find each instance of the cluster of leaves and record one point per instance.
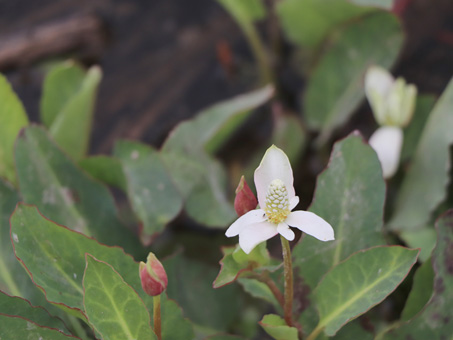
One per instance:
(67, 230)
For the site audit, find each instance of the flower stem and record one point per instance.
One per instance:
(288, 268)
(264, 278)
(156, 317)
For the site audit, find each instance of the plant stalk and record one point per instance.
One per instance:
(156, 317)
(289, 293)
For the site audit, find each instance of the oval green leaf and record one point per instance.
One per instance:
(12, 119)
(14, 327)
(435, 321)
(113, 307)
(49, 179)
(359, 283)
(151, 192)
(54, 256)
(335, 87)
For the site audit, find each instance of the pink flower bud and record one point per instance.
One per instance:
(153, 276)
(245, 200)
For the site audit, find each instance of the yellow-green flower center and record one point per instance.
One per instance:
(277, 202)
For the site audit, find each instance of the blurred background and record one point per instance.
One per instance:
(164, 60)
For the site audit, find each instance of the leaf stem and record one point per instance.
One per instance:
(259, 52)
(264, 278)
(157, 317)
(288, 269)
(313, 335)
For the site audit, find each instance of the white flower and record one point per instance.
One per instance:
(387, 142)
(392, 101)
(276, 198)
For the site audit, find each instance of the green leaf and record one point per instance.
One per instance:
(335, 88)
(421, 292)
(290, 136)
(350, 195)
(307, 22)
(424, 238)
(235, 262)
(413, 132)
(385, 4)
(13, 278)
(435, 322)
(13, 328)
(54, 256)
(276, 327)
(9, 282)
(112, 306)
(71, 128)
(106, 169)
(418, 197)
(18, 307)
(359, 283)
(192, 289)
(64, 193)
(61, 83)
(259, 290)
(153, 196)
(200, 178)
(244, 12)
(12, 119)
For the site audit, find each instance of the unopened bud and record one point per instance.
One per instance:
(245, 200)
(392, 101)
(153, 276)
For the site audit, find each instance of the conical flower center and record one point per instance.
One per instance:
(277, 203)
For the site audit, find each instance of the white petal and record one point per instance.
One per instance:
(256, 233)
(378, 79)
(293, 202)
(311, 224)
(285, 231)
(274, 165)
(387, 142)
(253, 216)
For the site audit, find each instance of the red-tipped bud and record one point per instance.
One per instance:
(153, 276)
(245, 199)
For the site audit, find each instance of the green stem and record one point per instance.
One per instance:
(264, 278)
(156, 317)
(259, 52)
(315, 333)
(77, 328)
(288, 268)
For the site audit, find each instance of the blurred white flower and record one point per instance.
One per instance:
(387, 142)
(392, 101)
(276, 198)
(393, 104)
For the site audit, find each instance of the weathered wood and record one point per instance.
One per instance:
(82, 34)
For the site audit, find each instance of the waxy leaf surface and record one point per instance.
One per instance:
(16, 306)
(105, 169)
(435, 321)
(307, 22)
(54, 256)
(336, 87)
(153, 196)
(61, 83)
(418, 197)
(64, 193)
(71, 128)
(12, 119)
(277, 328)
(14, 328)
(349, 195)
(359, 283)
(201, 179)
(112, 306)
